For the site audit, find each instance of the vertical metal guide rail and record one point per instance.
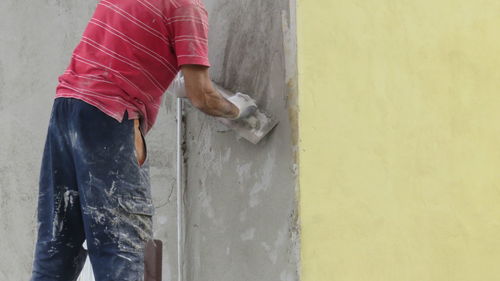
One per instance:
(180, 189)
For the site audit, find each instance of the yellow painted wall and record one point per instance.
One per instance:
(399, 139)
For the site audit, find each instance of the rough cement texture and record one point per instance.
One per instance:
(241, 210)
(242, 219)
(36, 39)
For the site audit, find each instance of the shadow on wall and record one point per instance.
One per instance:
(241, 44)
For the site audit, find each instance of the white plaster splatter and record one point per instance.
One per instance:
(266, 246)
(111, 190)
(243, 215)
(227, 155)
(124, 257)
(57, 225)
(69, 198)
(295, 169)
(162, 220)
(73, 136)
(264, 179)
(206, 203)
(279, 243)
(249, 234)
(243, 171)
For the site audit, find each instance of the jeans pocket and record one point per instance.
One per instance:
(137, 205)
(135, 225)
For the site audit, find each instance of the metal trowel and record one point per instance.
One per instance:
(253, 128)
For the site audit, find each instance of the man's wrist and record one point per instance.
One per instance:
(234, 112)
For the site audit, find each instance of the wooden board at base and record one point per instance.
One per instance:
(153, 261)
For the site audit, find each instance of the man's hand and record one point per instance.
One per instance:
(201, 93)
(245, 104)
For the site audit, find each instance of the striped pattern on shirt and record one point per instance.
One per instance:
(131, 51)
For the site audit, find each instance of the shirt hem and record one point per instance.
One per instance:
(193, 60)
(117, 116)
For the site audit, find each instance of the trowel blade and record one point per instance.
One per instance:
(253, 128)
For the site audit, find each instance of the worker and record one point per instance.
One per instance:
(94, 179)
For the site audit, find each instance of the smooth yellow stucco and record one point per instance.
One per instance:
(399, 140)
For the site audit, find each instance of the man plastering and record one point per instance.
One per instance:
(94, 181)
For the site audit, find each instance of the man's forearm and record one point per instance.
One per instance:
(204, 96)
(216, 105)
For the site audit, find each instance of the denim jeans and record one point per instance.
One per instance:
(91, 188)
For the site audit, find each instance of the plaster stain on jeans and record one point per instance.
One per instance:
(69, 198)
(97, 216)
(111, 190)
(124, 257)
(73, 138)
(57, 221)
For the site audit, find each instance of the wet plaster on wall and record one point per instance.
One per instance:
(241, 199)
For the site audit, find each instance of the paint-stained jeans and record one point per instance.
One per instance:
(91, 188)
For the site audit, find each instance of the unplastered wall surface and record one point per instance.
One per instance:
(241, 198)
(36, 38)
(36, 41)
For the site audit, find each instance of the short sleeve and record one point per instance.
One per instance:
(190, 35)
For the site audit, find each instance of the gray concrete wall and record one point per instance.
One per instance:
(241, 208)
(242, 215)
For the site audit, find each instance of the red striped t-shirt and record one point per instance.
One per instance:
(131, 51)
